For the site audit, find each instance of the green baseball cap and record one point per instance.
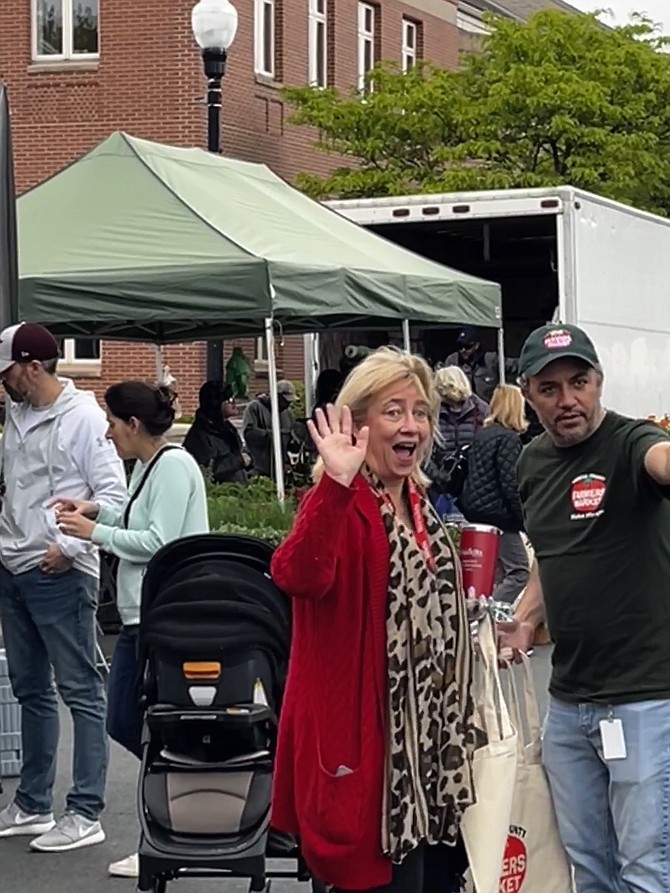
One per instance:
(553, 342)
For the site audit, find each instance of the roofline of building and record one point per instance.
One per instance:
(475, 7)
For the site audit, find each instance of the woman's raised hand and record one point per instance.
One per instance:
(332, 434)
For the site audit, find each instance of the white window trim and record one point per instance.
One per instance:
(260, 355)
(259, 38)
(70, 358)
(261, 349)
(409, 49)
(365, 36)
(317, 18)
(68, 54)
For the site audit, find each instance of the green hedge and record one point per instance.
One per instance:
(252, 510)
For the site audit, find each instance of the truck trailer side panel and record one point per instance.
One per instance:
(621, 286)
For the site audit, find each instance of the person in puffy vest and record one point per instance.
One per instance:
(491, 495)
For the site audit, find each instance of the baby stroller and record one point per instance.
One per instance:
(213, 648)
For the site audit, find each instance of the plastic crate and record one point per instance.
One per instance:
(10, 725)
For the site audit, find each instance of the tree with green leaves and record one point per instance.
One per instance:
(560, 99)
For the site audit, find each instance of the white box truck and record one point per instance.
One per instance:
(559, 255)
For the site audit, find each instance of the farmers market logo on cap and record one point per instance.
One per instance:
(557, 339)
(515, 861)
(588, 492)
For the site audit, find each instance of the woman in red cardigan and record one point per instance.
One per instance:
(377, 732)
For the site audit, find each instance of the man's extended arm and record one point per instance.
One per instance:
(657, 463)
(519, 633)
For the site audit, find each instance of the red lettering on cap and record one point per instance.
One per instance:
(557, 339)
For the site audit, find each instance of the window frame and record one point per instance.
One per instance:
(69, 353)
(364, 38)
(315, 19)
(261, 349)
(259, 38)
(68, 54)
(409, 52)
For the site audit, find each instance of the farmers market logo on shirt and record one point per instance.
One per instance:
(557, 339)
(588, 492)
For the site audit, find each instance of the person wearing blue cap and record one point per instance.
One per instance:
(480, 366)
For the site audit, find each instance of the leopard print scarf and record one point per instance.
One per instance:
(432, 732)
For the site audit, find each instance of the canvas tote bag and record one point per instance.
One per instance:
(485, 825)
(535, 861)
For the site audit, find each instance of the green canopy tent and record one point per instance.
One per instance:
(137, 240)
(141, 241)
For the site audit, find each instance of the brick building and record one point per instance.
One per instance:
(77, 70)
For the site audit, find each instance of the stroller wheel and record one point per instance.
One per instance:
(158, 885)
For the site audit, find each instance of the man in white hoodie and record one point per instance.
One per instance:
(54, 443)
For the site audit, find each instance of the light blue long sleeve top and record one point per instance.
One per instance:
(172, 504)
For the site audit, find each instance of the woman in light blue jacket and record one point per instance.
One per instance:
(166, 501)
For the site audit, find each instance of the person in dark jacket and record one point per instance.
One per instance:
(479, 365)
(462, 412)
(213, 440)
(491, 494)
(257, 427)
(461, 415)
(328, 386)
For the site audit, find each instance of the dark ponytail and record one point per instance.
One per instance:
(150, 404)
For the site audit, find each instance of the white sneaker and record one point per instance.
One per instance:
(71, 832)
(15, 822)
(128, 867)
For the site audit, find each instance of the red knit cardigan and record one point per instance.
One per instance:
(332, 736)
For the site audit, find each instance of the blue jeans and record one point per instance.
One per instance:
(613, 816)
(124, 717)
(48, 621)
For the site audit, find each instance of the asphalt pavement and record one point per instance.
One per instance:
(85, 871)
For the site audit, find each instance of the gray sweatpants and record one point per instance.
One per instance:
(513, 570)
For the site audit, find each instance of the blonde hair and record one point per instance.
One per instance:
(507, 408)
(378, 371)
(452, 384)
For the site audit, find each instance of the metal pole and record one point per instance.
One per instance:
(310, 345)
(501, 355)
(274, 407)
(159, 362)
(406, 336)
(215, 66)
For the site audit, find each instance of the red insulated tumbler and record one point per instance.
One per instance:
(479, 556)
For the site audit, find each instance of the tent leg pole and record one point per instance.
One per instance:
(406, 337)
(311, 352)
(274, 405)
(501, 355)
(158, 348)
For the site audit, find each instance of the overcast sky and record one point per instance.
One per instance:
(658, 10)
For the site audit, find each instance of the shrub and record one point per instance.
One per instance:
(253, 510)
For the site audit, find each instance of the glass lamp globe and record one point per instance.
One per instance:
(214, 24)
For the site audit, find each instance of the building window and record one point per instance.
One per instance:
(81, 350)
(264, 37)
(318, 43)
(261, 350)
(367, 23)
(410, 44)
(65, 29)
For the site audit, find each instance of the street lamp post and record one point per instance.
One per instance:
(214, 24)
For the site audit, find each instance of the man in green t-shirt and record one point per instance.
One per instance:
(595, 489)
